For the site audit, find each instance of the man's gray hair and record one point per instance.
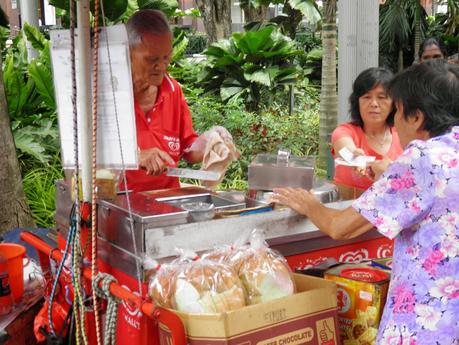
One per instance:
(143, 22)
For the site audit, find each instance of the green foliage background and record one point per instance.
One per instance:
(253, 133)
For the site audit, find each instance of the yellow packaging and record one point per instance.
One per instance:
(361, 293)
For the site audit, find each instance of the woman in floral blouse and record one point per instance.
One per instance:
(415, 202)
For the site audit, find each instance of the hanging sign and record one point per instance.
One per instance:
(116, 131)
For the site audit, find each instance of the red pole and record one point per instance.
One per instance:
(164, 316)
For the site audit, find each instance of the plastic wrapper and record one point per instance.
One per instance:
(264, 273)
(162, 285)
(162, 279)
(230, 254)
(207, 287)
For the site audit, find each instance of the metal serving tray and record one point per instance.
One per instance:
(219, 202)
(152, 210)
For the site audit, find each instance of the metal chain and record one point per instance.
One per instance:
(111, 314)
(123, 170)
(95, 87)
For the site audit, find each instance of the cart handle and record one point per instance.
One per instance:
(166, 317)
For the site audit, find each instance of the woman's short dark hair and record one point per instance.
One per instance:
(433, 41)
(366, 81)
(431, 88)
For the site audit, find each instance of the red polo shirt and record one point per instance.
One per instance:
(168, 126)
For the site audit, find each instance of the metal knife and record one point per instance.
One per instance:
(195, 174)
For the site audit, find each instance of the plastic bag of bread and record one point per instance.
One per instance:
(162, 285)
(162, 278)
(207, 287)
(229, 254)
(264, 273)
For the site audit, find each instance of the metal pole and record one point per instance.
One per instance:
(29, 15)
(84, 95)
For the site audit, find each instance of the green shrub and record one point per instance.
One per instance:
(41, 193)
(32, 110)
(249, 63)
(30, 96)
(256, 133)
(197, 43)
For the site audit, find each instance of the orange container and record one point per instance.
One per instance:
(14, 253)
(6, 300)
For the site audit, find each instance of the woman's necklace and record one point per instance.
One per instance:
(380, 142)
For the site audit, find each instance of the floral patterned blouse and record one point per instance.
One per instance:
(416, 201)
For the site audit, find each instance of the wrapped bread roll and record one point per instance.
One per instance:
(229, 255)
(207, 287)
(162, 278)
(265, 275)
(162, 286)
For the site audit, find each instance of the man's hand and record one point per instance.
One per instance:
(376, 169)
(195, 152)
(155, 161)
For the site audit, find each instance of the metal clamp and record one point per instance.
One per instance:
(283, 157)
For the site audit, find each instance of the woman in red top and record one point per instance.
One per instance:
(370, 132)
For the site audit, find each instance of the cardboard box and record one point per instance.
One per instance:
(308, 317)
(362, 292)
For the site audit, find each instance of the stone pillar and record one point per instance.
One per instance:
(29, 15)
(358, 46)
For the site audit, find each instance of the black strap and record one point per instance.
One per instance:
(58, 339)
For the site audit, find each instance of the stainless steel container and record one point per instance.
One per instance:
(325, 191)
(149, 210)
(268, 171)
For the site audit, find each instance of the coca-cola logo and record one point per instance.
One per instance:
(309, 263)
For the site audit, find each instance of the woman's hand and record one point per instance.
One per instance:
(359, 170)
(376, 169)
(338, 224)
(299, 199)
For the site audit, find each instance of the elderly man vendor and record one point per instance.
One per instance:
(164, 127)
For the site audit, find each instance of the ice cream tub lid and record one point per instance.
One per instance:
(368, 275)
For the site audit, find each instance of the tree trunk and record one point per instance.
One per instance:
(328, 94)
(217, 18)
(417, 30)
(14, 210)
(252, 14)
(400, 59)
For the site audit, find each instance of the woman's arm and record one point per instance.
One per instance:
(348, 143)
(338, 224)
(344, 142)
